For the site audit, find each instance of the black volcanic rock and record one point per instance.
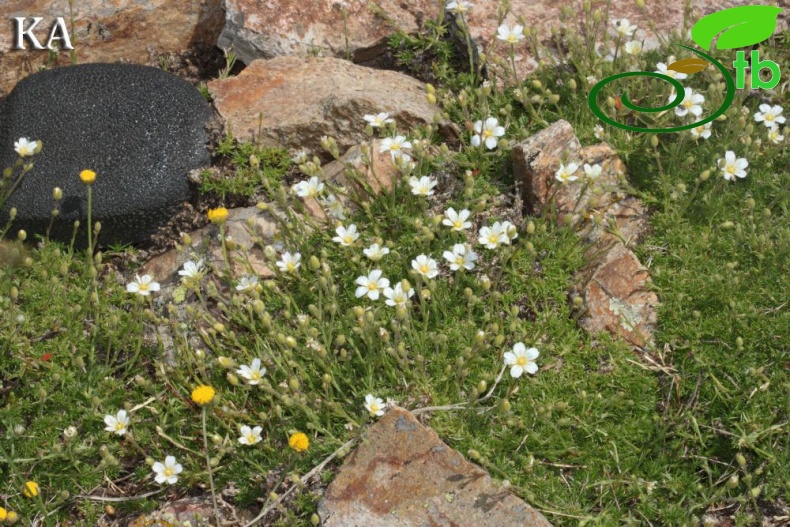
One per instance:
(139, 128)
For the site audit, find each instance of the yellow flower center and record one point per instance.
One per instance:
(250, 438)
(255, 376)
(730, 169)
(511, 38)
(769, 117)
(493, 238)
(374, 408)
(119, 426)
(372, 286)
(168, 472)
(487, 132)
(687, 103)
(424, 268)
(521, 361)
(348, 239)
(459, 259)
(458, 224)
(143, 286)
(395, 146)
(290, 266)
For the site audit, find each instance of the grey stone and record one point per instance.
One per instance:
(139, 128)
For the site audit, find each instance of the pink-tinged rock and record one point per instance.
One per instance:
(293, 102)
(403, 475)
(107, 31)
(351, 29)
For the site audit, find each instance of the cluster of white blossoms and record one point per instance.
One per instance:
(314, 188)
(497, 234)
(771, 117)
(624, 29)
(567, 173)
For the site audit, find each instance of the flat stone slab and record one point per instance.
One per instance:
(141, 129)
(404, 475)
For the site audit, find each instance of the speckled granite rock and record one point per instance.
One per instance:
(139, 128)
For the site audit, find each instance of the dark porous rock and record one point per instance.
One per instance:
(139, 128)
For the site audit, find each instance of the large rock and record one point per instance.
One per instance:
(269, 29)
(403, 475)
(139, 128)
(121, 30)
(293, 102)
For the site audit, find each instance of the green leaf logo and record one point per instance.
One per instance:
(739, 26)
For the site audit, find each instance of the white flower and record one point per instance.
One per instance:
(633, 47)
(300, 157)
(375, 252)
(425, 265)
(521, 359)
(247, 282)
(250, 436)
(774, 136)
(394, 145)
(592, 172)
(492, 236)
(334, 206)
(457, 220)
(25, 147)
(378, 120)
(598, 131)
(662, 68)
(691, 103)
(289, 263)
(142, 285)
(487, 133)
(512, 35)
(167, 472)
(458, 7)
(423, 186)
(460, 256)
(624, 28)
(309, 189)
(702, 131)
(192, 270)
(374, 405)
(397, 296)
(117, 423)
(371, 285)
(768, 115)
(510, 230)
(564, 174)
(732, 167)
(253, 372)
(346, 236)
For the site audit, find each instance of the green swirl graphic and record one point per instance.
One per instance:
(680, 95)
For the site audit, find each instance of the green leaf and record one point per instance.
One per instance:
(741, 26)
(179, 294)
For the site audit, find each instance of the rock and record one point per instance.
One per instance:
(271, 29)
(139, 128)
(107, 31)
(403, 475)
(293, 102)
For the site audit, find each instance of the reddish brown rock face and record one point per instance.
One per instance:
(403, 475)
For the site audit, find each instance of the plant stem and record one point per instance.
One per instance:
(210, 473)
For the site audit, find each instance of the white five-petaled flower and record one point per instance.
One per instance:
(397, 296)
(512, 35)
(346, 236)
(510, 230)
(371, 285)
(250, 436)
(24, 147)
(702, 131)
(425, 265)
(492, 236)
(458, 7)
(142, 285)
(522, 359)
(691, 103)
(375, 252)
(300, 157)
(117, 423)
(592, 172)
(309, 189)
(192, 270)
(334, 206)
(564, 174)
(247, 282)
(662, 68)
(598, 131)
(487, 132)
(775, 136)
(633, 47)
(168, 471)
(395, 145)
(732, 166)
(624, 28)
(374, 405)
(289, 263)
(769, 115)
(252, 373)
(457, 220)
(423, 186)
(378, 120)
(461, 256)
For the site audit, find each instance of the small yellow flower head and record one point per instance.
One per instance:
(30, 490)
(88, 176)
(203, 395)
(218, 215)
(13, 517)
(298, 442)
(3, 514)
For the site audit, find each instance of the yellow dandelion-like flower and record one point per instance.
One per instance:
(299, 442)
(203, 395)
(13, 517)
(30, 490)
(3, 514)
(218, 215)
(88, 176)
